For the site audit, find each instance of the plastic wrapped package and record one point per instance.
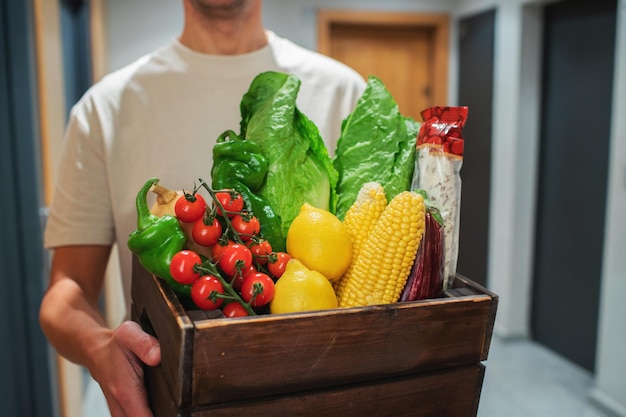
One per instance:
(437, 171)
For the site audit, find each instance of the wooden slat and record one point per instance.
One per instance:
(160, 313)
(450, 393)
(471, 287)
(159, 394)
(328, 348)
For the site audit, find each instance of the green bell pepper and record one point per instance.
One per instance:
(157, 240)
(240, 165)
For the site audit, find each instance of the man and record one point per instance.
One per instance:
(159, 117)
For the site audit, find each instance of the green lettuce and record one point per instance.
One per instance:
(377, 143)
(299, 167)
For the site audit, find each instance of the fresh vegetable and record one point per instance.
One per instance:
(384, 262)
(377, 143)
(219, 248)
(277, 263)
(280, 199)
(182, 267)
(209, 292)
(359, 221)
(271, 120)
(240, 165)
(190, 207)
(234, 309)
(257, 289)
(235, 257)
(156, 239)
(206, 231)
(166, 201)
(261, 250)
(246, 225)
(205, 290)
(426, 277)
(240, 275)
(232, 202)
(226, 229)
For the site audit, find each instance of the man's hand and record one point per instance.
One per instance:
(120, 372)
(74, 325)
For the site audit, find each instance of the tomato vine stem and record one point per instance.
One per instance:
(207, 267)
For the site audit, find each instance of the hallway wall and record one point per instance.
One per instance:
(513, 199)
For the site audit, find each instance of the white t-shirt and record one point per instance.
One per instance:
(160, 117)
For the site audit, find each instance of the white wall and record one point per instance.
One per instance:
(611, 367)
(515, 130)
(297, 19)
(139, 26)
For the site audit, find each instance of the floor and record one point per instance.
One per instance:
(525, 379)
(522, 379)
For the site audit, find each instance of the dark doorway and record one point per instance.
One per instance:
(476, 46)
(579, 44)
(25, 388)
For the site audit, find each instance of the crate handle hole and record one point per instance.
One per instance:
(146, 324)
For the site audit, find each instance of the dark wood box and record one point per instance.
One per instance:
(419, 358)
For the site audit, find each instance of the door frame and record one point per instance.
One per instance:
(68, 378)
(438, 23)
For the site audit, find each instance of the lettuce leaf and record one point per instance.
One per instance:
(299, 167)
(377, 143)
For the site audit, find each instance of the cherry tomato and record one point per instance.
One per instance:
(261, 250)
(190, 207)
(206, 234)
(217, 251)
(235, 257)
(246, 226)
(277, 266)
(257, 289)
(182, 267)
(234, 309)
(241, 275)
(204, 290)
(231, 201)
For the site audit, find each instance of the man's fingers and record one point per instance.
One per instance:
(130, 404)
(132, 337)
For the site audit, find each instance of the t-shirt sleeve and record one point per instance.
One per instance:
(80, 212)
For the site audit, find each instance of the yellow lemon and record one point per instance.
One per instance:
(319, 240)
(300, 289)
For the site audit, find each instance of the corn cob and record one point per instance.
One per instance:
(359, 221)
(385, 260)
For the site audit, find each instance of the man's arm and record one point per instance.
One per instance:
(74, 325)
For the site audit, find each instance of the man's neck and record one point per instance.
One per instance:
(223, 36)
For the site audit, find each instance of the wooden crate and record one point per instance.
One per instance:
(419, 358)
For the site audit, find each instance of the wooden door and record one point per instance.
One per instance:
(408, 52)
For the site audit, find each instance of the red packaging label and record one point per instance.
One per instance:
(442, 130)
